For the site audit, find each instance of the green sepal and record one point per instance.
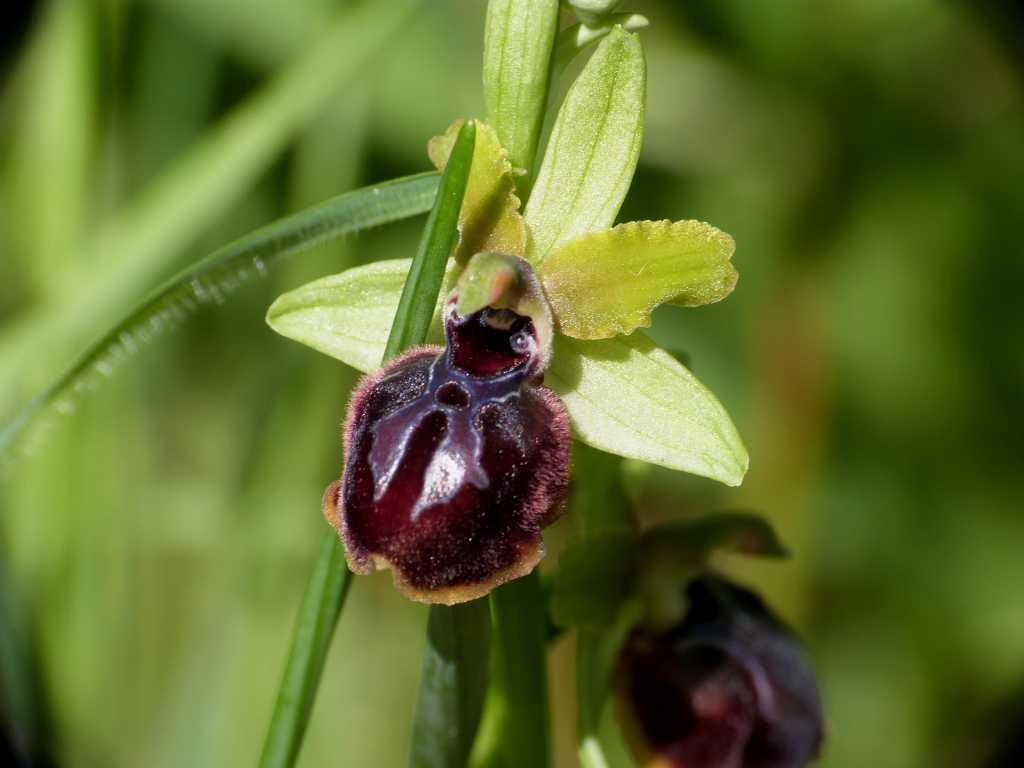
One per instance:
(626, 396)
(347, 316)
(607, 283)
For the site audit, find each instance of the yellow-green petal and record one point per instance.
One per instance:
(489, 220)
(609, 282)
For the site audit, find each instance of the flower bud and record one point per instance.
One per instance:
(456, 458)
(592, 11)
(728, 687)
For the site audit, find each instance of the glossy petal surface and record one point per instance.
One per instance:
(455, 460)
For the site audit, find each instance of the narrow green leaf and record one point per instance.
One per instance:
(627, 396)
(515, 728)
(453, 684)
(321, 606)
(593, 149)
(23, 721)
(489, 220)
(213, 278)
(420, 293)
(518, 39)
(607, 283)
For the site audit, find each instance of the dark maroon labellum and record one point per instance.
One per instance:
(729, 687)
(456, 458)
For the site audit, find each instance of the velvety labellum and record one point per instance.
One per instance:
(456, 458)
(729, 687)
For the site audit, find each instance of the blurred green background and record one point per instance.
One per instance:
(868, 157)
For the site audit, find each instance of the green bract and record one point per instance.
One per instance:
(622, 393)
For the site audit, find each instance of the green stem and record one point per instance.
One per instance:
(327, 588)
(515, 728)
(452, 685)
(598, 506)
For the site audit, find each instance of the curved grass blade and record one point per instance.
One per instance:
(322, 602)
(321, 607)
(140, 245)
(224, 271)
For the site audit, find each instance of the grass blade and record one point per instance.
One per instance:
(419, 296)
(321, 606)
(322, 602)
(209, 281)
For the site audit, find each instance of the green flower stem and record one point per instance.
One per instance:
(321, 606)
(515, 728)
(452, 685)
(599, 506)
(328, 586)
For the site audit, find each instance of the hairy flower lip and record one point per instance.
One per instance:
(453, 464)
